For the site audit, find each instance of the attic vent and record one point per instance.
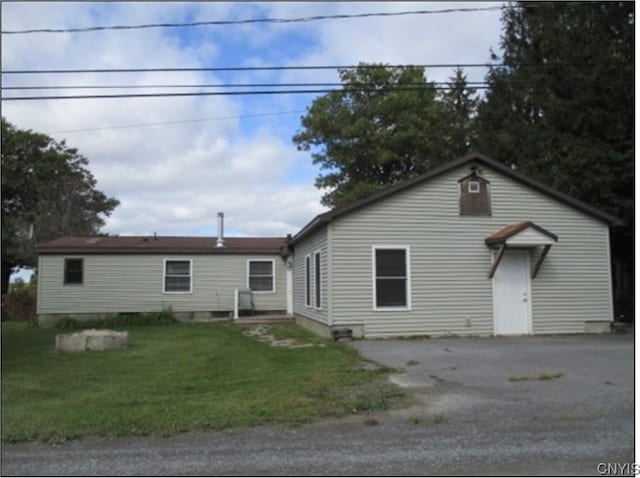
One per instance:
(475, 195)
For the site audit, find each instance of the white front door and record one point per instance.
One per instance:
(511, 294)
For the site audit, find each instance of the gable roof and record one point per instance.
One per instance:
(161, 245)
(327, 217)
(505, 233)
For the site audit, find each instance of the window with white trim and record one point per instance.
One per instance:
(474, 186)
(307, 281)
(177, 276)
(318, 280)
(391, 277)
(73, 271)
(261, 275)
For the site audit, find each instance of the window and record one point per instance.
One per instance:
(391, 269)
(261, 276)
(474, 187)
(73, 271)
(307, 281)
(177, 276)
(318, 281)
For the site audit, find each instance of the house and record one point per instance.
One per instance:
(470, 248)
(87, 277)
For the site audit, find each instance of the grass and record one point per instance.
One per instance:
(175, 378)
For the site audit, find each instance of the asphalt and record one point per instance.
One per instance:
(467, 418)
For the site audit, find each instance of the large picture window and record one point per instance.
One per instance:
(177, 276)
(261, 274)
(73, 269)
(392, 284)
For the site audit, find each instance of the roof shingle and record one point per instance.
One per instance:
(161, 245)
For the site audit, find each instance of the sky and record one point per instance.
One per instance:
(172, 179)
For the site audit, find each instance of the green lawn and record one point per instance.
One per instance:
(176, 378)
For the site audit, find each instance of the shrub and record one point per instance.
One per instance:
(127, 319)
(20, 302)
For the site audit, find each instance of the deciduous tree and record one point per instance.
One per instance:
(47, 192)
(383, 126)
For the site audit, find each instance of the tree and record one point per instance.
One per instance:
(383, 126)
(47, 192)
(459, 103)
(562, 107)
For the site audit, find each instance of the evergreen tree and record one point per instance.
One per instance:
(562, 107)
(459, 103)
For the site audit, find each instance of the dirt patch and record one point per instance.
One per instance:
(262, 333)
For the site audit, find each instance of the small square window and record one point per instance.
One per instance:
(474, 187)
(73, 271)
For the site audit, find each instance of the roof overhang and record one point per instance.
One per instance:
(521, 235)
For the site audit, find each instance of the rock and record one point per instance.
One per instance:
(92, 340)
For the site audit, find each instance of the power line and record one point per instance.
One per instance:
(222, 93)
(252, 21)
(243, 68)
(162, 123)
(292, 67)
(216, 85)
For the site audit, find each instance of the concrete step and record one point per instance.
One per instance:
(263, 319)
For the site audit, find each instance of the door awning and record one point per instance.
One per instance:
(522, 235)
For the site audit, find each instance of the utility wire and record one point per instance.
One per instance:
(217, 85)
(223, 93)
(252, 21)
(291, 67)
(162, 123)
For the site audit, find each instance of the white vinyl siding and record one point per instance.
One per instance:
(134, 283)
(303, 302)
(450, 290)
(260, 276)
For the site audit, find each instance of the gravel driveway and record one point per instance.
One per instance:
(568, 406)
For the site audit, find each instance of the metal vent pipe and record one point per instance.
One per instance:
(220, 242)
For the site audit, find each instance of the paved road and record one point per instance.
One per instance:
(468, 419)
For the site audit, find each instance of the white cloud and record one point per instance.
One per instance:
(173, 179)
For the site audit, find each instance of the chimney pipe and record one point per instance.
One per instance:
(220, 242)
